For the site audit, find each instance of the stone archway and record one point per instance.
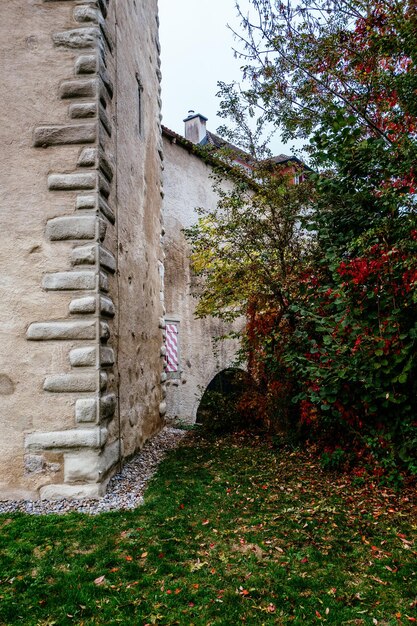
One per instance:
(217, 408)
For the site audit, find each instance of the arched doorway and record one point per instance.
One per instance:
(218, 410)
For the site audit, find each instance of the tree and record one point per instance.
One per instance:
(344, 74)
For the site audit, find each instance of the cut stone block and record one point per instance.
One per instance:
(103, 117)
(86, 64)
(87, 14)
(71, 383)
(74, 438)
(87, 158)
(104, 381)
(45, 136)
(107, 307)
(104, 75)
(107, 260)
(104, 332)
(86, 202)
(108, 406)
(47, 331)
(86, 410)
(164, 377)
(67, 281)
(106, 356)
(72, 182)
(103, 281)
(106, 210)
(71, 227)
(79, 88)
(83, 306)
(162, 409)
(90, 466)
(82, 110)
(77, 38)
(83, 357)
(84, 255)
(75, 492)
(105, 165)
(103, 186)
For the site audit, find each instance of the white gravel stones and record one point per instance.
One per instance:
(125, 489)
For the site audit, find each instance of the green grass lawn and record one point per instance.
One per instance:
(231, 531)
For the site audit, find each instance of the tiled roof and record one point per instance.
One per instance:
(216, 142)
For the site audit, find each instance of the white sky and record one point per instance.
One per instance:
(196, 54)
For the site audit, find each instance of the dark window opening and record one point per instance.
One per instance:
(140, 105)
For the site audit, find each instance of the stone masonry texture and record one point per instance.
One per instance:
(80, 248)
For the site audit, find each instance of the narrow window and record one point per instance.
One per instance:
(140, 104)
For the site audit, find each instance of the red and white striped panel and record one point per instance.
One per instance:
(172, 348)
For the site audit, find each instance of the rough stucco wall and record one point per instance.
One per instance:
(187, 185)
(139, 212)
(35, 71)
(30, 72)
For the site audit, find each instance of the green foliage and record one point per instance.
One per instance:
(331, 316)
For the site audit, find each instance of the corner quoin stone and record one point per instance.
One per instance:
(72, 182)
(82, 110)
(75, 227)
(90, 465)
(83, 357)
(71, 383)
(79, 88)
(46, 331)
(86, 410)
(74, 438)
(76, 492)
(83, 306)
(68, 281)
(86, 64)
(86, 202)
(77, 38)
(45, 136)
(84, 255)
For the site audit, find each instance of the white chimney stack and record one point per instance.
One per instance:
(195, 127)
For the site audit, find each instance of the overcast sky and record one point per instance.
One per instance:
(196, 54)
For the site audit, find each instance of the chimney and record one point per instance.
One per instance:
(195, 127)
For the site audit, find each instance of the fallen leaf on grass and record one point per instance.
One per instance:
(378, 580)
(100, 580)
(249, 548)
(195, 567)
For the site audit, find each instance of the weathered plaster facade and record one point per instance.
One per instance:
(81, 302)
(187, 185)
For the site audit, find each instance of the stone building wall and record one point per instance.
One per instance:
(81, 296)
(188, 185)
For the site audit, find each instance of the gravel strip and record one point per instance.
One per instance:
(125, 489)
